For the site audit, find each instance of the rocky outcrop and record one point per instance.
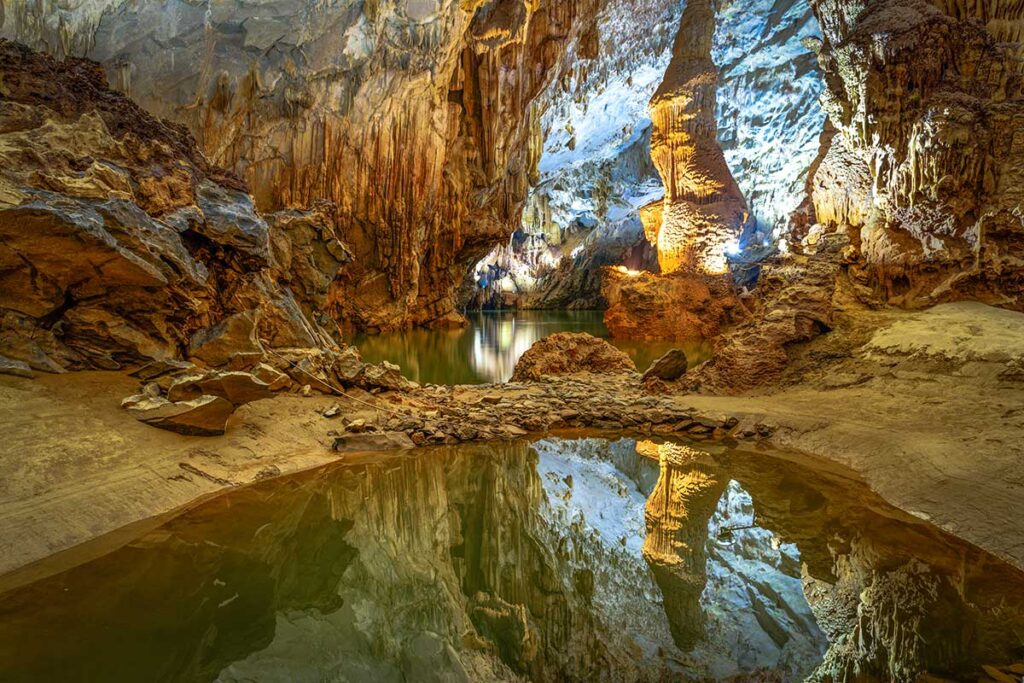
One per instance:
(414, 118)
(798, 297)
(668, 367)
(567, 353)
(925, 169)
(680, 306)
(120, 243)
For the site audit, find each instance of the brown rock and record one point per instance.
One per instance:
(16, 368)
(567, 353)
(204, 416)
(216, 345)
(682, 306)
(669, 367)
(274, 378)
(237, 387)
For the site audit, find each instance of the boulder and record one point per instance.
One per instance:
(373, 441)
(567, 353)
(274, 378)
(669, 367)
(348, 365)
(238, 388)
(384, 375)
(215, 345)
(203, 416)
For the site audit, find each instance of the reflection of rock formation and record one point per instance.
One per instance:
(896, 597)
(677, 514)
(703, 210)
(489, 563)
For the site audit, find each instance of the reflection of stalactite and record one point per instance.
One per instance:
(703, 207)
(677, 513)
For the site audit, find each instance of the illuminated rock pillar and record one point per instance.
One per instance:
(703, 212)
(677, 516)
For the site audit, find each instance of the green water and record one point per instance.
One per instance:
(560, 560)
(487, 350)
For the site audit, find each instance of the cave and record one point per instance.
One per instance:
(512, 340)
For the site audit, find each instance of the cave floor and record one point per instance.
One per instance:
(930, 412)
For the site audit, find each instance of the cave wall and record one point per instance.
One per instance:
(412, 116)
(925, 171)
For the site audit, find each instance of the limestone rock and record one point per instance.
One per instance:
(271, 376)
(120, 243)
(568, 353)
(238, 388)
(216, 344)
(384, 375)
(203, 416)
(683, 306)
(669, 367)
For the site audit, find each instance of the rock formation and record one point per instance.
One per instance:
(413, 118)
(567, 353)
(120, 243)
(677, 512)
(703, 212)
(924, 170)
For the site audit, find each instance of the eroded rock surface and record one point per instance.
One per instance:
(119, 242)
(568, 353)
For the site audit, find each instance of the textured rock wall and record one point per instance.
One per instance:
(120, 242)
(926, 167)
(769, 117)
(413, 117)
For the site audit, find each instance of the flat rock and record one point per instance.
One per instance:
(238, 388)
(669, 367)
(203, 416)
(380, 441)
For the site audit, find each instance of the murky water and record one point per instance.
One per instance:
(582, 560)
(487, 350)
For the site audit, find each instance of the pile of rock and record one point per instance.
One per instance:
(185, 398)
(568, 353)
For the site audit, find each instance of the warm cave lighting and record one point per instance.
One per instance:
(732, 248)
(627, 271)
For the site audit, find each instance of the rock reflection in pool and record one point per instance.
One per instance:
(565, 560)
(487, 350)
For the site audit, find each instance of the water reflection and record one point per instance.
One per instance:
(565, 560)
(488, 349)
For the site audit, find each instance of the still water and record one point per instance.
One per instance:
(487, 350)
(579, 560)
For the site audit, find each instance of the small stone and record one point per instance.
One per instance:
(237, 387)
(306, 390)
(333, 411)
(16, 368)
